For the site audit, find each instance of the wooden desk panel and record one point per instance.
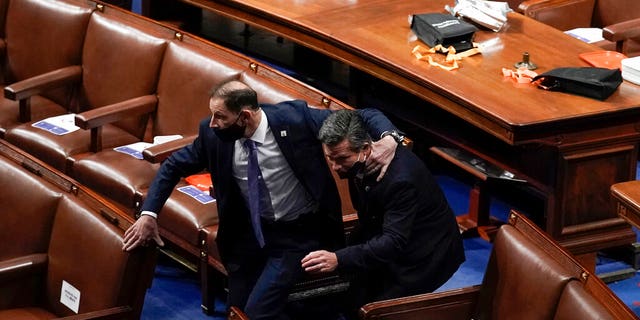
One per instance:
(572, 148)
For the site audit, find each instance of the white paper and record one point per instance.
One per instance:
(135, 149)
(58, 125)
(70, 296)
(588, 35)
(163, 139)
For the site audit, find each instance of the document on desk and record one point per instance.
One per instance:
(197, 194)
(588, 35)
(58, 125)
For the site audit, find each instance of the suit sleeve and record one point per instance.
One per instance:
(399, 215)
(182, 163)
(375, 121)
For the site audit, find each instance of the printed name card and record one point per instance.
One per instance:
(70, 296)
(197, 194)
(135, 149)
(58, 125)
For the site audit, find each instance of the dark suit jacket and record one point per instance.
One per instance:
(408, 237)
(295, 127)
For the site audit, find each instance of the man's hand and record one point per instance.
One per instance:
(141, 232)
(382, 152)
(320, 261)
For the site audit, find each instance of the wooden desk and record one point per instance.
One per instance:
(627, 197)
(571, 148)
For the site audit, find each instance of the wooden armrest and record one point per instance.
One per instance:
(560, 14)
(114, 112)
(622, 31)
(22, 266)
(94, 119)
(23, 90)
(159, 153)
(453, 304)
(35, 85)
(112, 313)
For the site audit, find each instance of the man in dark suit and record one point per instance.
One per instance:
(408, 240)
(300, 209)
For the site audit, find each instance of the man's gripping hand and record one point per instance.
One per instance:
(145, 229)
(382, 152)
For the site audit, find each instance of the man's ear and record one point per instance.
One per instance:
(366, 150)
(245, 114)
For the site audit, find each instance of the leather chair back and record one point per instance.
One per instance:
(576, 303)
(86, 252)
(188, 74)
(608, 12)
(540, 280)
(27, 208)
(54, 42)
(120, 60)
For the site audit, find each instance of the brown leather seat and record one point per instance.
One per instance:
(80, 241)
(31, 49)
(529, 276)
(187, 74)
(619, 19)
(120, 65)
(71, 260)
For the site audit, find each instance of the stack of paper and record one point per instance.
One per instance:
(588, 35)
(631, 69)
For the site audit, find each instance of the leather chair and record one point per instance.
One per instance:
(187, 74)
(85, 252)
(115, 91)
(34, 56)
(72, 237)
(529, 276)
(619, 19)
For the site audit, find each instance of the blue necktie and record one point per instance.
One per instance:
(259, 199)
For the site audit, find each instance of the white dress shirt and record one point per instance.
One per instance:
(289, 198)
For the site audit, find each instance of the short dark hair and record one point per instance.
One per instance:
(344, 124)
(236, 95)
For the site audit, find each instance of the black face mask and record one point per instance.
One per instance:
(231, 133)
(356, 171)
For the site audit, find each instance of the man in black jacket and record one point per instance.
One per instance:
(408, 240)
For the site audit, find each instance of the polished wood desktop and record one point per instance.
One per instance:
(627, 197)
(570, 148)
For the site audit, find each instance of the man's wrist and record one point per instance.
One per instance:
(397, 136)
(149, 213)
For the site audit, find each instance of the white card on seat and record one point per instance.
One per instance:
(58, 125)
(70, 296)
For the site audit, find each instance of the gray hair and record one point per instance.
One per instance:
(344, 124)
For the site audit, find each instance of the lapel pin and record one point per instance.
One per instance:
(283, 133)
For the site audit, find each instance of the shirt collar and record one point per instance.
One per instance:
(261, 132)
